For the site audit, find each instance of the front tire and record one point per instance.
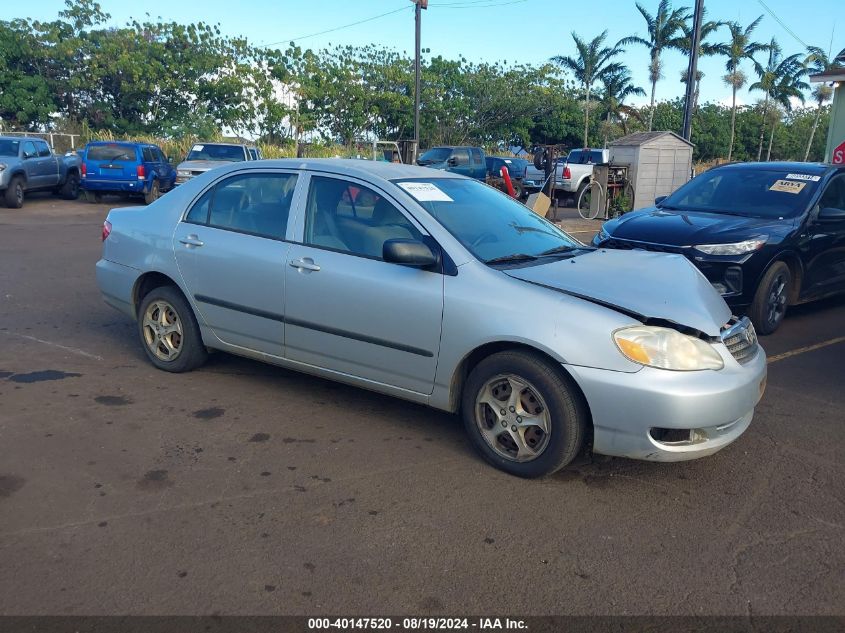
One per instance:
(771, 299)
(523, 414)
(15, 193)
(169, 331)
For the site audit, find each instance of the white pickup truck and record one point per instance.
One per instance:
(573, 172)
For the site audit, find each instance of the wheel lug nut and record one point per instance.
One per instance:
(503, 412)
(504, 422)
(513, 409)
(518, 419)
(513, 428)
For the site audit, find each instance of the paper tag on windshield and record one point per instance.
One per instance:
(197, 148)
(809, 177)
(425, 192)
(789, 186)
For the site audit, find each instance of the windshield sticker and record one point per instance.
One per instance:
(803, 177)
(790, 186)
(197, 148)
(425, 192)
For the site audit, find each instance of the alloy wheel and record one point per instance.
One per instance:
(513, 418)
(163, 330)
(776, 304)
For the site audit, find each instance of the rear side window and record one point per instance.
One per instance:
(148, 155)
(29, 149)
(43, 148)
(112, 152)
(258, 204)
(476, 156)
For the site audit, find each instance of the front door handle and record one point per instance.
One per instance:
(191, 240)
(305, 263)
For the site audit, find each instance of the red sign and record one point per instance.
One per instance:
(838, 157)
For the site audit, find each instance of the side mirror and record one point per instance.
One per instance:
(409, 253)
(659, 199)
(452, 162)
(28, 155)
(831, 214)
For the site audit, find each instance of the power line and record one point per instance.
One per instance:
(339, 28)
(779, 21)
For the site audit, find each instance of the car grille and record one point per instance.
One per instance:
(627, 245)
(740, 339)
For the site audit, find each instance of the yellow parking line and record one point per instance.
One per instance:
(808, 348)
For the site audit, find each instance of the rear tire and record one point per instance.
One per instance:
(15, 193)
(518, 190)
(771, 299)
(169, 331)
(533, 394)
(154, 193)
(70, 190)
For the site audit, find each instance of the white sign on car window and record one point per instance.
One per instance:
(425, 192)
(197, 148)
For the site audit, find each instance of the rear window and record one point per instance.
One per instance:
(585, 157)
(113, 153)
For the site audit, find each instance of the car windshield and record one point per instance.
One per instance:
(490, 224)
(112, 152)
(436, 155)
(758, 193)
(9, 148)
(213, 151)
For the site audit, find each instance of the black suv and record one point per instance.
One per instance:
(766, 235)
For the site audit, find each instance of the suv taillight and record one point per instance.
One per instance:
(106, 229)
(83, 168)
(142, 172)
(566, 173)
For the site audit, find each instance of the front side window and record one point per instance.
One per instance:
(490, 224)
(258, 204)
(834, 196)
(349, 217)
(461, 156)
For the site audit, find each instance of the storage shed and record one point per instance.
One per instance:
(658, 163)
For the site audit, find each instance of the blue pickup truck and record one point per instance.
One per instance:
(467, 161)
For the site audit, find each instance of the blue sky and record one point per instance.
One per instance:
(528, 31)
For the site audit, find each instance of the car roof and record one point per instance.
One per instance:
(815, 169)
(21, 138)
(351, 167)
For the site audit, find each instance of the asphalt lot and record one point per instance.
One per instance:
(246, 489)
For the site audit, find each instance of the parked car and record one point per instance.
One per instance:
(766, 235)
(29, 164)
(126, 168)
(205, 156)
(578, 167)
(436, 288)
(466, 161)
(516, 170)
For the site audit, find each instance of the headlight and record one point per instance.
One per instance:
(737, 248)
(2, 166)
(184, 173)
(665, 348)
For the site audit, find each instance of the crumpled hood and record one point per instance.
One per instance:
(689, 228)
(202, 165)
(652, 285)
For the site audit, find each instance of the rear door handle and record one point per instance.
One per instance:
(306, 263)
(191, 240)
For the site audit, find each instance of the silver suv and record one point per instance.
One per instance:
(206, 156)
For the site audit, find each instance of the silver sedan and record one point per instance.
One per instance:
(441, 290)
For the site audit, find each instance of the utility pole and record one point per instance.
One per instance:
(692, 70)
(419, 6)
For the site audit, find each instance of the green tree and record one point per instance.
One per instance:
(705, 49)
(738, 48)
(665, 30)
(617, 86)
(591, 62)
(788, 86)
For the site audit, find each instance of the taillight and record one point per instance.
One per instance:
(84, 169)
(142, 172)
(106, 229)
(566, 173)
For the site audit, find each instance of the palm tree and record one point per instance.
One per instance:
(705, 49)
(776, 69)
(789, 86)
(738, 48)
(592, 61)
(818, 62)
(665, 30)
(618, 87)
